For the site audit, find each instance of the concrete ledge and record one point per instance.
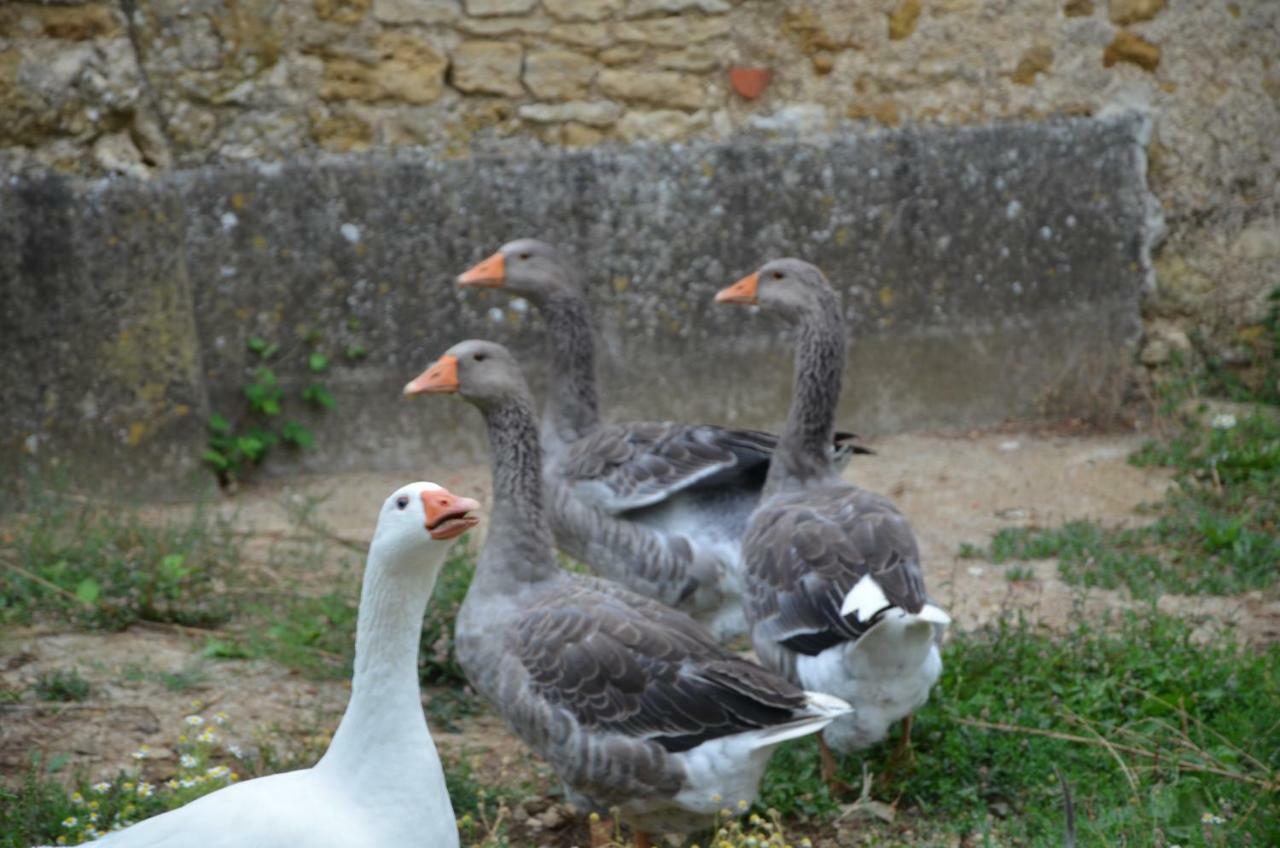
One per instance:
(987, 273)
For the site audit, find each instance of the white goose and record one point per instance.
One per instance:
(380, 783)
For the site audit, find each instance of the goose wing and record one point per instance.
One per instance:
(646, 672)
(628, 466)
(805, 556)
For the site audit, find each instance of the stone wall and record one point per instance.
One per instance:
(977, 285)
(151, 89)
(136, 86)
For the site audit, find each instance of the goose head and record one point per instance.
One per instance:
(484, 373)
(791, 288)
(421, 520)
(526, 268)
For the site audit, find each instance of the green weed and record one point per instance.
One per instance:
(1163, 739)
(62, 685)
(108, 567)
(240, 442)
(1215, 532)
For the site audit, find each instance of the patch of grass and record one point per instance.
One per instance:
(316, 634)
(482, 812)
(107, 567)
(1163, 739)
(189, 676)
(1217, 531)
(39, 809)
(1019, 574)
(62, 685)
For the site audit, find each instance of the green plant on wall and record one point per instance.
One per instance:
(238, 444)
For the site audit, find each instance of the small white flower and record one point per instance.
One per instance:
(235, 751)
(142, 752)
(1224, 421)
(217, 772)
(1208, 817)
(101, 786)
(194, 720)
(219, 718)
(187, 761)
(145, 790)
(70, 821)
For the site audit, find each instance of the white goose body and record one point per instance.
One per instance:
(380, 783)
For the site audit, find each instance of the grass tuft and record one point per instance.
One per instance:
(107, 567)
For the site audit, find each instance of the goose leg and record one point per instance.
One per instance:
(904, 752)
(829, 768)
(601, 831)
(642, 839)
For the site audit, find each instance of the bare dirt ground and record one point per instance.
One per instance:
(954, 488)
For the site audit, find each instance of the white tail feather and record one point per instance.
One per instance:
(934, 615)
(825, 709)
(865, 599)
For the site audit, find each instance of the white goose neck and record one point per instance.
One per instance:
(384, 724)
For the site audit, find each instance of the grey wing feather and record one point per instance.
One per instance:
(629, 466)
(804, 555)
(617, 668)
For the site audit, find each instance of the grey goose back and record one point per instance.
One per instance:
(633, 704)
(658, 506)
(834, 594)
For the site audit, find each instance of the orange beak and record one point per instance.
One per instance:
(440, 378)
(743, 291)
(447, 514)
(489, 274)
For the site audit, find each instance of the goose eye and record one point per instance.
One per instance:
(524, 256)
(402, 502)
(481, 357)
(777, 275)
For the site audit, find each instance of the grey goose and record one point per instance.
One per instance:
(834, 592)
(658, 506)
(635, 705)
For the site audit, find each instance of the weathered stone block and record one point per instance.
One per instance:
(581, 35)
(675, 31)
(663, 88)
(489, 67)
(559, 74)
(494, 8)
(1124, 12)
(658, 125)
(642, 8)
(594, 113)
(582, 10)
(415, 11)
(1132, 48)
(700, 59)
(70, 23)
(404, 68)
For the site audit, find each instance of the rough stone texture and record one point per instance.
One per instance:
(659, 88)
(493, 8)
(559, 74)
(583, 10)
(96, 87)
(977, 283)
(491, 67)
(596, 113)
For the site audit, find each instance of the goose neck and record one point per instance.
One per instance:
(573, 407)
(519, 545)
(383, 722)
(803, 453)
